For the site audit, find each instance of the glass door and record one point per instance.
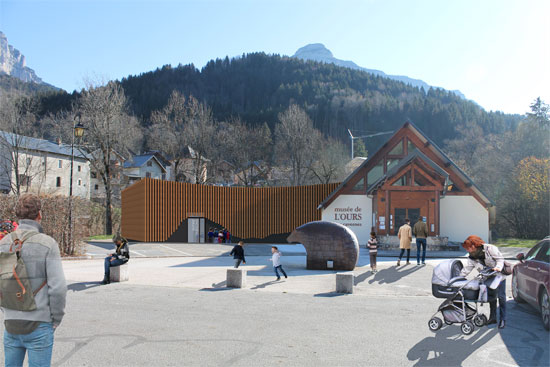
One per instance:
(403, 213)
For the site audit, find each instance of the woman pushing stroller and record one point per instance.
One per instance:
(489, 256)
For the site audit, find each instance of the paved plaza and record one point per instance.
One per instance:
(176, 311)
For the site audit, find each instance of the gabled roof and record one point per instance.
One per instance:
(430, 145)
(140, 160)
(40, 145)
(405, 161)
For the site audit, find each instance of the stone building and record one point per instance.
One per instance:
(41, 166)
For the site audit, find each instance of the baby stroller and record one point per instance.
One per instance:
(461, 297)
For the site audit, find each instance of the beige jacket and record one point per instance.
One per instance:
(405, 236)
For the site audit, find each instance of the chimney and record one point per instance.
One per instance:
(58, 141)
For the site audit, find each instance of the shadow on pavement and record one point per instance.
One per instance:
(393, 274)
(524, 336)
(448, 347)
(329, 294)
(263, 285)
(82, 286)
(362, 277)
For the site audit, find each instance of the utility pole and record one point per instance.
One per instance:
(352, 138)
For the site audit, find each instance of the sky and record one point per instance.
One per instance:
(495, 52)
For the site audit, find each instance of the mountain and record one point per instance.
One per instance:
(12, 62)
(318, 52)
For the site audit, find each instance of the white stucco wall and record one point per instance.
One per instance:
(353, 211)
(462, 216)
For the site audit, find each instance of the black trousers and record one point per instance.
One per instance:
(408, 254)
(501, 297)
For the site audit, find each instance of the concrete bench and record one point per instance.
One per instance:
(236, 278)
(119, 273)
(344, 282)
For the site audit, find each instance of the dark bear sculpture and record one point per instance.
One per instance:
(327, 241)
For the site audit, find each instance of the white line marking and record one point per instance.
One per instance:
(135, 252)
(173, 249)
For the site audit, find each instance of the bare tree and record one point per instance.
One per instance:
(331, 160)
(18, 164)
(248, 149)
(296, 141)
(110, 130)
(166, 132)
(201, 134)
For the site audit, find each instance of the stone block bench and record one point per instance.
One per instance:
(119, 273)
(236, 278)
(344, 282)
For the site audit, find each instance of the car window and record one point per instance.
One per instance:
(544, 254)
(533, 252)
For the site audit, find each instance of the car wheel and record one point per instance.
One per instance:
(515, 288)
(545, 309)
(467, 328)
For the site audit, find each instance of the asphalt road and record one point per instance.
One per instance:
(291, 323)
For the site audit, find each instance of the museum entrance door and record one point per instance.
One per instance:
(195, 230)
(403, 213)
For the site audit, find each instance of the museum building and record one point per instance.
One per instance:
(408, 177)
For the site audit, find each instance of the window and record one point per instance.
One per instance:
(390, 163)
(410, 147)
(420, 180)
(28, 162)
(60, 164)
(58, 181)
(93, 175)
(544, 254)
(150, 164)
(79, 168)
(79, 182)
(360, 185)
(164, 176)
(403, 180)
(96, 187)
(397, 150)
(375, 173)
(148, 174)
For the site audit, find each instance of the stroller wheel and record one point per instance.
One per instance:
(467, 328)
(480, 320)
(435, 323)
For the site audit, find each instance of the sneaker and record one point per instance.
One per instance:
(279, 278)
(502, 324)
(286, 277)
(398, 262)
(423, 263)
(417, 264)
(408, 263)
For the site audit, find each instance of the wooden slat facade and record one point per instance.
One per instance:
(152, 210)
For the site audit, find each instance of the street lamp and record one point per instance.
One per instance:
(78, 132)
(352, 138)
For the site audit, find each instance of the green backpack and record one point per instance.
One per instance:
(15, 286)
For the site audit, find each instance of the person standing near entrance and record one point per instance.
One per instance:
(30, 329)
(238, 254)
(420, 231)
(405, 238)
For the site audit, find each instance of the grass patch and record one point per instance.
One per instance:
(100, 237)
(515, 242)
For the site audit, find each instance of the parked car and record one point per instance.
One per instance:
(531, 278)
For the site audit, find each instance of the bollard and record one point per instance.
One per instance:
(236, 278)
(119, 273)
(344, 282)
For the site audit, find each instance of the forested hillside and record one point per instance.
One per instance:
(257, 87)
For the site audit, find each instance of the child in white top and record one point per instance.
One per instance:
(276, 258)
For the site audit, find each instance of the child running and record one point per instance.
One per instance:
(276, 258)
(372, 245)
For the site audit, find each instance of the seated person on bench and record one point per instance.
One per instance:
(121, 256)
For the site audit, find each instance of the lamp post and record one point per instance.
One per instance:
(78, 132)
(352, 138)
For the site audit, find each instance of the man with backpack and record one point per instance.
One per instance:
(33, 288)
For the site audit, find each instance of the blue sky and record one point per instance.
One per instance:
(496, 52)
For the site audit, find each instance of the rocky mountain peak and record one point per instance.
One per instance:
(12, 62)
(314, 50)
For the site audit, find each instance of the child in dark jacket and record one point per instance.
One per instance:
(372, 245)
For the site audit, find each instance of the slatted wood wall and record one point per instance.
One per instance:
(152, 210)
